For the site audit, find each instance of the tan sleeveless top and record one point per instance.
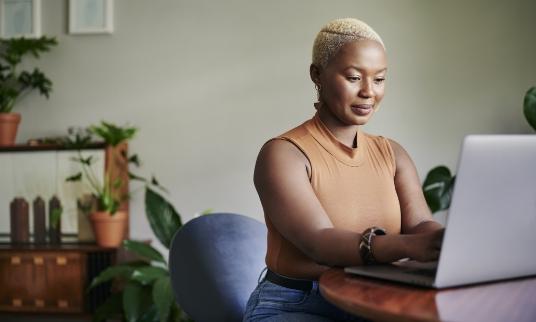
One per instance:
(354, 185)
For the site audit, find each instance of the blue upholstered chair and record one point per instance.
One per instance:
(214, 262)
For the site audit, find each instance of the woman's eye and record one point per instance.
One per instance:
(353, 78)
(379, 80)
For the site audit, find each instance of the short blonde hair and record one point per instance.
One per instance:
(336, 34)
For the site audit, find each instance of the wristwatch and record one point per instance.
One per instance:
(365, 246)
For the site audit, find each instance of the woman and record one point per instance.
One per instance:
(332, 194)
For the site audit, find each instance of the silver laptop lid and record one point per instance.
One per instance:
(491, 225)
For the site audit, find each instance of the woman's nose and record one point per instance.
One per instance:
(366, 89)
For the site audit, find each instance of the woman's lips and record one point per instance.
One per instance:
(362, 109)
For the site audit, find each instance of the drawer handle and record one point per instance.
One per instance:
(63, 304)
(39, 303)
(61, 260)
(15, 260)
(17, 302)
(38, 260)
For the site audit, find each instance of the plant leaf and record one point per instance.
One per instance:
(111, 273)
(162, 216)
(150, 315)
(113, 134)
(144, 250)
(74, 177)
(437, 188)
(134, 159)
(148, 274)
(87, 161)
(133, 176)
(529, 107)
(111, 307)
(156, 183)
(12, 83)
(117, 183)
(55, 217)
(163, 297)
(132, 301)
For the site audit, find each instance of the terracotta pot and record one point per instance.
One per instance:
(9, 123)
(109, 230)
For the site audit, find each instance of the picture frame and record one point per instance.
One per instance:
(91, 17)
(20, 18)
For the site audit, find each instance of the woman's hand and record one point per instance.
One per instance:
(424, 247)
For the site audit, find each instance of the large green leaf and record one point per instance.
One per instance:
(437, 188)
(150, 315)
(110, 308)
(111, 273)
(163, 297)
(162, 216)
(529, 107)
(144, 250)
(147, 275)
(136, 301)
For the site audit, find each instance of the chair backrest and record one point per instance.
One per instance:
(214, 262)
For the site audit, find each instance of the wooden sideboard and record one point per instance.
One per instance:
(52, 279)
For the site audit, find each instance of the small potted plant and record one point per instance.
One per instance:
(109, 221)
(147, 293)
(14, 84)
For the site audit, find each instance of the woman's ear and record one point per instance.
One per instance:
(314, 72)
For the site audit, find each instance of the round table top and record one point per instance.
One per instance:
(512, 300)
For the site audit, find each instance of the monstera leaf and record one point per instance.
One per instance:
(437, 188)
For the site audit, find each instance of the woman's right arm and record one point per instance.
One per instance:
(288, 200)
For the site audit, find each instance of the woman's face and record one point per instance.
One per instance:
(353, 82)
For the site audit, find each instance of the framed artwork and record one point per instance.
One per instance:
(20, 18)
(91, 16)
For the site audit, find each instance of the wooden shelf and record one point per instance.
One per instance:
(47, 147)
(79, 247)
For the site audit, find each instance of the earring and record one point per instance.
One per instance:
(318, 104)
(318, 90)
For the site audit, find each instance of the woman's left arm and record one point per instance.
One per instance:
(416, 216)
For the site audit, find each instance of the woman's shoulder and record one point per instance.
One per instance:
(289, 144)
(383, 141)
(285, 151)
(398, 154)
(392, 151)
(297, 133)
(279, 157)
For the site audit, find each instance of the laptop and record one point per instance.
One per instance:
(490, 233)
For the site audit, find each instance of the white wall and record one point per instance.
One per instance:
(207, 82)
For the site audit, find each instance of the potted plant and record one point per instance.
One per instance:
(529, 107)
(147, 293)
(14, 84)
(108, 221)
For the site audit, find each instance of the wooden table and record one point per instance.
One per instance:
(512, 300)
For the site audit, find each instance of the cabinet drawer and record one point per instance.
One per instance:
(42, 281)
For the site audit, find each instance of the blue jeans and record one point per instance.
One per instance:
(270, 302)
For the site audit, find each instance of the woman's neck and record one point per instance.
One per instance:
(344, 133)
